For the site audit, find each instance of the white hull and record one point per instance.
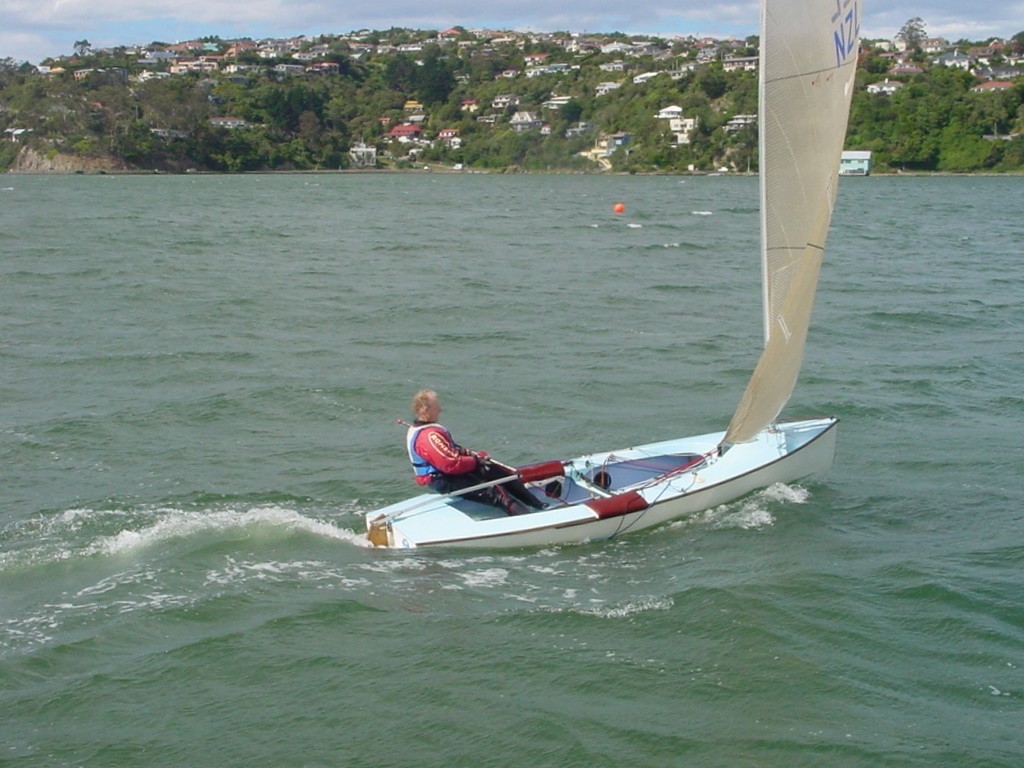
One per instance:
(784, 453)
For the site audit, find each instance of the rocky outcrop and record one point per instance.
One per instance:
(30, 161)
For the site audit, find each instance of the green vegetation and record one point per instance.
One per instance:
(124, 109)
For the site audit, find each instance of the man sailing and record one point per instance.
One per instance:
(445, 466)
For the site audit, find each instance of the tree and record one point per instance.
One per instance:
(400, 73)
(310, 128)
(82, 47)
(8, 71)
(912, 34)
(434, 80)
(572, 111)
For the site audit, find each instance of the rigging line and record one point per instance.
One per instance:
(625, 528)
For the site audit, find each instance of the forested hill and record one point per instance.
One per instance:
(500, 101)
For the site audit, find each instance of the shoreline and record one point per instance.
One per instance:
(113, 171)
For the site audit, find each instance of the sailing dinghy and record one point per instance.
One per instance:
(808, 54)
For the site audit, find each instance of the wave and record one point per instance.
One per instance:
(181, 524)
(628, 609)
(753, 512)
(79, 533)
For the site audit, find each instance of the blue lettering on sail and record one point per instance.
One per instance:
(845, 28)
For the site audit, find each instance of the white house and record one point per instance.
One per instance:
(887, 87)
(144, 77)
(739, 122)
(855, 163)
(228, 122)
(639, 79)
(682, 129)
(992, 86)
(505, 101)
(739, 63)
(556, 102)
(955, 59)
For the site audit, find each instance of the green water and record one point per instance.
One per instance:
(200, 381)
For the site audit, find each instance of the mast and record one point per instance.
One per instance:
(761, 150)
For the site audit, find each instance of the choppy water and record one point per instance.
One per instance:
(200, 378)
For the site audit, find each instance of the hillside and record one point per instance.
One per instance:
(497, 101)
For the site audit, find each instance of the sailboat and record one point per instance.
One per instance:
(808, 56)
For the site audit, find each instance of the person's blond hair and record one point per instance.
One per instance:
(421, 399)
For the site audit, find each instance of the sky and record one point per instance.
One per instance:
(32, 30)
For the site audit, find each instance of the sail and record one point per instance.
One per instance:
(807, 66)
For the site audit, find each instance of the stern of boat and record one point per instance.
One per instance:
(378, 531)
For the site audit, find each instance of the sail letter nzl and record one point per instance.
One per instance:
(846, 28)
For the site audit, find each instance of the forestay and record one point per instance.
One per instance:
(807, 66)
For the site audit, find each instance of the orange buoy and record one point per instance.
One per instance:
(619, 208)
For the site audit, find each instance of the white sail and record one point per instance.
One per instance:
(807, 66)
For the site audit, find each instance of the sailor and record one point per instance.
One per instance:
(445, 466)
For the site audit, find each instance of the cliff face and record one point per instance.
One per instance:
(30, 161)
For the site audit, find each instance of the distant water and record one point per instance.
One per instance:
(200, 381)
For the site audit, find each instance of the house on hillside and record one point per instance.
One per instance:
(405, 132)
(682, 129)
(228, 122)
(505, 101)
(580, 129)
(887, 87)
(324, 68)
(605, 147)
(739, 63)
(525, 121)
(450, 137)
(240, 47)
(992, 86)
(955, 60)
(739, 122)
(935, 45)
(556, 102)
(641, 79)
(905, 68)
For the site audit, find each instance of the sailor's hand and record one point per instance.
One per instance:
(482, 458)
